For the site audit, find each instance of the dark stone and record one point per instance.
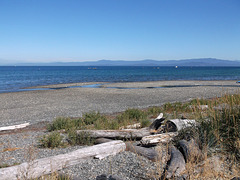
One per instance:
(114, 177)
(236, 178)
(102, 177)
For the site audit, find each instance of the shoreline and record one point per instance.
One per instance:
(45, 105)
(106, 85)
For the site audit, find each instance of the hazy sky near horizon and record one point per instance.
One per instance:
(86, 30)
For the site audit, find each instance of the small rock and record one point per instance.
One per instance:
(114, 177)
(102, 177)
(236, 178)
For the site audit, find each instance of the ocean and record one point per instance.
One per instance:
(14, 79)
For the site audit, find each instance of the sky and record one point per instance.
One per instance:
(90, 30)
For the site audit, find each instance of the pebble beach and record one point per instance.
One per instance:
(58, 100)
(72, 100)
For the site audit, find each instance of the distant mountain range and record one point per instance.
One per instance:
(148, 62)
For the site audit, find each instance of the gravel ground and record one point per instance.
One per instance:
(45, 105)
(126, 165)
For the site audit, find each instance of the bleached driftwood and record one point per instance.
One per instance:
(117, 134)
(160, 116)
(174, 125)
(150, 154)
(47, 165)
(190, 150)
(176, 165)
(19, 126)
(158, 138)
(131, 126)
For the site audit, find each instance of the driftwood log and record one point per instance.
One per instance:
(175, 125)
(177, 164)
(190, 150)
(117, 134)
(150, 154)
(19, 126)
(48, 165)
(158, 138)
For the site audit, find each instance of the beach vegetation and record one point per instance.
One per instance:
(95, 120)
(91, 120)
(54, 176)
(65, 123)
(154, 111)
(218, 123)
(52, 140)
(131, 116)
(218, 129)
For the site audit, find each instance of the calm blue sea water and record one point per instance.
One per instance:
(16, 78)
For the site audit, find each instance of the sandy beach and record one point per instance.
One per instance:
(45, 105)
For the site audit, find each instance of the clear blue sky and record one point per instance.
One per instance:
(86, 30)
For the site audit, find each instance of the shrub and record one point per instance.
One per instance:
(92, 117)
(51, 140)
(65, 123)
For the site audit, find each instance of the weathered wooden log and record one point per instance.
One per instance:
(190, 150)
(19, 126)
(102, 140)
(117, 134)
(131, 126)
(174, 125)
(157, 122)
(150, 154)
(158, 138)
(177, 164)
(47, 165)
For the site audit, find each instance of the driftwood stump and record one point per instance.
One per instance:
(190, 150)
(176, 165)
